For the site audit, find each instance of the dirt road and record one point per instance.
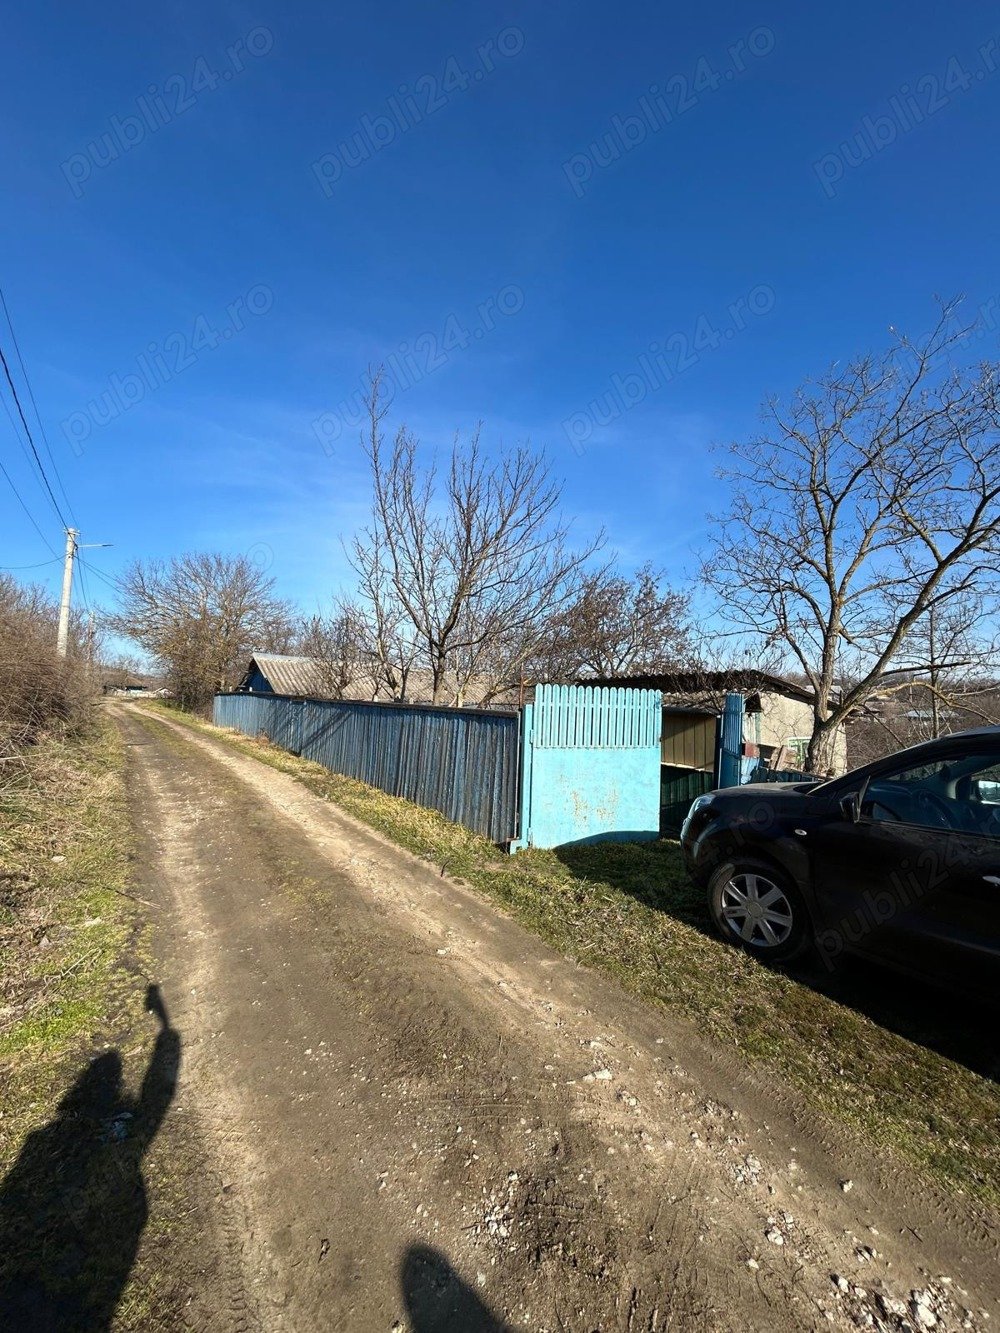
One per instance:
(422, 1118)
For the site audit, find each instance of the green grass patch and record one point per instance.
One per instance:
(630, 910)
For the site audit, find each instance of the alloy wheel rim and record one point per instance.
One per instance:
(757, 910)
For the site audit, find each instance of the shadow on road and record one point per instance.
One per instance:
(73, 1206)
(438, 1300)
(957, 1028)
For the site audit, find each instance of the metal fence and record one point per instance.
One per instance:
(277, 718)
(678, 788)
(764, 774)
(462, 762)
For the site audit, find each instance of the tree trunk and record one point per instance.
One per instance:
(821, 758)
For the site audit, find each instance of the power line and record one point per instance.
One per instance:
(24, 448)
(112, 583)
(83, 584)
(11, 569)
(34, 404)
(27, 431)
(31, 517)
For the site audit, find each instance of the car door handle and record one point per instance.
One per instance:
(992, 879)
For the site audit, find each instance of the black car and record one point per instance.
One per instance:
(898, 861)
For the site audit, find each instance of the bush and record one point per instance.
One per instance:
(40, 692)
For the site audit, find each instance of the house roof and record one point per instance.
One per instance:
(310, 677)
(289, 675)
(678, 686)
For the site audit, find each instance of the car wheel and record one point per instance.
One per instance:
(756, 908)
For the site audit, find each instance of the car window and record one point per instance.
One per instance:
(960, 793)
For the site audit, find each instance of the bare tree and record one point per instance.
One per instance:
(618, 626)
(384, 627)
(952, 687)
(201, 615)
(119, 671)
(351, 654)
(461, 570)
(872, 500)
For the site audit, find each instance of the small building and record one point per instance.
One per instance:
(281, 673)
(778, 719)
(314, 678)
(777, 726)
(129, 685)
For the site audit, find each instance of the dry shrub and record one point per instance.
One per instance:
(40, 692)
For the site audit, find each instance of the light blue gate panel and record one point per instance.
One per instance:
(731, 749)
(591, 765)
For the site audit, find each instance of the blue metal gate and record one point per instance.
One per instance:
(589, 758)
(590, 768)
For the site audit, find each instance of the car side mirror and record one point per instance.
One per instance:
(850, 806)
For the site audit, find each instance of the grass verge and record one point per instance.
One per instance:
(65, 921)
(630, 910)
(73, 1197)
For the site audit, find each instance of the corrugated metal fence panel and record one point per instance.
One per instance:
(459, 761)
(678, 788)
(279, 719)
(586, 717)
(689, 740)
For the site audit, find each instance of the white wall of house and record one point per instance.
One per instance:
(788, 722)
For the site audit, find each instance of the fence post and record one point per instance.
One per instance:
(524, 795)
(732, 741)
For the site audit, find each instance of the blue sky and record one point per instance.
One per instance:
(609, 229)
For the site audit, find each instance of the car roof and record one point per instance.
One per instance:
(971, 734)
(915, 751)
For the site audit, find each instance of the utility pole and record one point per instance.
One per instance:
(72, 547)
(62, 638)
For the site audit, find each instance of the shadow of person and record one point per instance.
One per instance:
(438, 1301)
(73, 1206)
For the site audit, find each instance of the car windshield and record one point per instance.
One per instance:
(958, 793)
(979, 763)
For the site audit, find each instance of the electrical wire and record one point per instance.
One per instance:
(27, 431)
(112, 583)
(11, 569)
(31, 517)
(24, 448)
(34, 404)
(82, 584)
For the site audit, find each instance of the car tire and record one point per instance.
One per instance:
(757, 908)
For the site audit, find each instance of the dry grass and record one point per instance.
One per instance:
(63, 919)
(40, 694)
(630, 910)
(72, 959)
